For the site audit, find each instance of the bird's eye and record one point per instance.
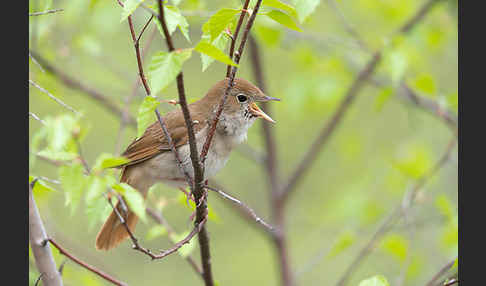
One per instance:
(242, 98)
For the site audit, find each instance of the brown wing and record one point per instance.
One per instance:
(153, 140)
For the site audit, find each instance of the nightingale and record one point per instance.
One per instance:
(151, 160)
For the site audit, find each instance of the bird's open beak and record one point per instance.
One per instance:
(255, 110)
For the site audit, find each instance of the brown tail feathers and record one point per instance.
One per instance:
(113, 232)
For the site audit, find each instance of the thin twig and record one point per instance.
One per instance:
(77, 85)
(249, 211)
(37, 118)
(46, 12)
(53, 97)
(396, 213)
(86, 265)
(35, 62)
(441, 272)
(234, 37)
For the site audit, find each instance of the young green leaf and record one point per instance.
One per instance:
(344, 241)
(218, 22)
(283, 19)
(383, 97)
(396, 245)
(425, 83)
(133, 198)
(129, 7)
(156, 231)
(73, 181)
(165, 67)
(146, 114)
(105, 161)
(280, 5)
(304, 8)
(377, 280)
(220, 43)
(94, 201)
(213, 52)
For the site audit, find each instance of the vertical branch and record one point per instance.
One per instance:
(197, 190)
(278, 212)
(234, 37)
(44, 260)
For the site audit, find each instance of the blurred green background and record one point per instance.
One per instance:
(379, 150)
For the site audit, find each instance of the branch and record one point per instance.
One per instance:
(271, 167)
(238, 55)
(77, 85)
(248, 212)
(397, 212)
(441, 272)
(37, 118)
(53, 97)
(44, 260)
(45, 12)
(85, 265)
(356, 86)
(197, 190)
(244, 10)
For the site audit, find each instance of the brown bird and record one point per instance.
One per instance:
(152, 161)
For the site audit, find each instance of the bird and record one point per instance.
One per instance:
(151, 160)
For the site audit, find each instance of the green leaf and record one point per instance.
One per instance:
(220, 43)
(304, 8)
(94, 201)
(414, 162)
(344, 241)
(283, 19)
(129, 7)
(214, 52)
(425, 83)
(134, 199)
(377, 280)
(146, 114)
(174, 19)
(156, 231)
(396, 245)
(73, 181)
(187, 248)
(164, 68)
(57, 155)
(218, 22)
(105, 161)
(281, 5)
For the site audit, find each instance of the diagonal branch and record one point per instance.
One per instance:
(77, 85)
(46, 12)
(246, 210)
(53, 97)
(85, 265)
(356, 86)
